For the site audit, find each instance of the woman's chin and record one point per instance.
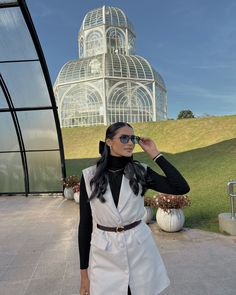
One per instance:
(128, 154)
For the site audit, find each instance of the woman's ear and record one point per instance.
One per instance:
(108, 142)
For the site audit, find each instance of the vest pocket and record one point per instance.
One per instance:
(99, 242)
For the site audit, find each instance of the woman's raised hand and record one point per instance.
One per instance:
(149, 147)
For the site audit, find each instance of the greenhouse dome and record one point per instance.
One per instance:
(111, 16)
(109, 82)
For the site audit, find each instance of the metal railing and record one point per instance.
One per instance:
(232, 195)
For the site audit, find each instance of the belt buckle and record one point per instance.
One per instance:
(120, 228)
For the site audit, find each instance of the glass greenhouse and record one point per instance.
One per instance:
(109, 83)
(31, 150)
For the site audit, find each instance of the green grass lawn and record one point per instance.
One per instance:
(203, 149)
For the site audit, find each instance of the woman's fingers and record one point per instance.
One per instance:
(84, 291)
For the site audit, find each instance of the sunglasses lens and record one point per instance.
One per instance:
(135, 139)
(124, 139)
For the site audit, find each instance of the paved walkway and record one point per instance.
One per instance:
(39, 254)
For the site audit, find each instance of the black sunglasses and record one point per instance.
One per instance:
(125, 138)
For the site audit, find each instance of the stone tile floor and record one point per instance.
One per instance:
(39, 252)
(38, 246)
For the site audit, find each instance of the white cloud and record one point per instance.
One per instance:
(191, 91)
(213, 66)
(43, 10)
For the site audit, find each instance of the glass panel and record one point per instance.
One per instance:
(26, 84)
(9, 141)
(94, 43)
(15, 42)
(44, 171)
(93, 18)
(11, 173)
(38, 130)
(7, 1)
(3, 102)
(82, 105)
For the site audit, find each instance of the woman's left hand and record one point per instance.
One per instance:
(149, 146)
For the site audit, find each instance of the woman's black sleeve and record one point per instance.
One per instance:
(85, 226)
(172, 183)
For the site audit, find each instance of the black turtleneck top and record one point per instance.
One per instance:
(172, 183)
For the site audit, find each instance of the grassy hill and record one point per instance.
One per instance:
(203, 149)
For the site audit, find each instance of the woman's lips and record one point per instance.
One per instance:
(128, 150)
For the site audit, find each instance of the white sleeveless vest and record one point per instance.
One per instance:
(125, 258)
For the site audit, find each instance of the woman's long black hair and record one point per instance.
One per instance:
(134, 171)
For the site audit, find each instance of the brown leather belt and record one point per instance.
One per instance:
(119, 228)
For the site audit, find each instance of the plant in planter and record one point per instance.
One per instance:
(148, 209)
(170, 216)
(69, 183)
(76, 190)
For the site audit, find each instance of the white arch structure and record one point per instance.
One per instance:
(131, 102)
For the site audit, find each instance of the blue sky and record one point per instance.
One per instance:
(191, 43)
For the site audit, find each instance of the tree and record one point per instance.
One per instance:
(185, 114)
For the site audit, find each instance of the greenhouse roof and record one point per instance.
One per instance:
(116, 65)
(31, 150)
(106, 15)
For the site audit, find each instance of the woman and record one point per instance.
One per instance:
(124, 258)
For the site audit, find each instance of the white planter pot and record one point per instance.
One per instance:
(172, 221)
(148, 214)
(76, 197)
(68, 193)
